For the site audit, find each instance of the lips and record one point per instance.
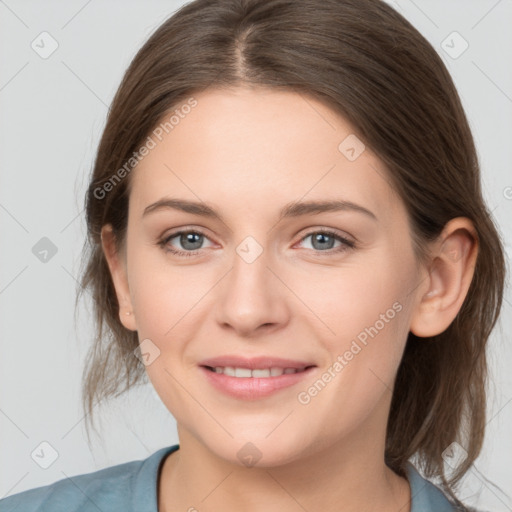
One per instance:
(254, 378)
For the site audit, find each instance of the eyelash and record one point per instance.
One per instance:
(347, 244)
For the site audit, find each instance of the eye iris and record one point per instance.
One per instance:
(322, 237)
(193, 238)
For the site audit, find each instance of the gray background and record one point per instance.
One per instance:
(53, 111)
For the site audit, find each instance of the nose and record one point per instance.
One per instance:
(251, 298)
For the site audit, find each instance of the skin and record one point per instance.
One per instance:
(248, 152)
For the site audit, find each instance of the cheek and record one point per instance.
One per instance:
(369, 316)
(163, 294)
(357, 295)
(366, 318)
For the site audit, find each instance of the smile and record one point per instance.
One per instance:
(254, 383)
(260, 373)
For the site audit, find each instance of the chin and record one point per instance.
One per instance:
(261, 451)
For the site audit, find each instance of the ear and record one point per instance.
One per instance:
(117, 265)
(448, 280)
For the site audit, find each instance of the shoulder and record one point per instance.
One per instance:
(124, 487)
(427, 497)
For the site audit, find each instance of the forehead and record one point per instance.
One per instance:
(258, 149)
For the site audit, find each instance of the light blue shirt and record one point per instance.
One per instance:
(132, 487)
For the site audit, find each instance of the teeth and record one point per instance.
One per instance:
(228, 370)
(259, 373)
(243, 372)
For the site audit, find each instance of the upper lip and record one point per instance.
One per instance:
(261, 362)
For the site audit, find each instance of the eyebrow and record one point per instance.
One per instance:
(294, 209)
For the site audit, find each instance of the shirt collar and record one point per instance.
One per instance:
(425, 496)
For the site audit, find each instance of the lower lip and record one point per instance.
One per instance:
(253, 388)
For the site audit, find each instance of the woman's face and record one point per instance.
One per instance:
(264, 274)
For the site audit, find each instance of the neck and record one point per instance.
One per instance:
(349, 476)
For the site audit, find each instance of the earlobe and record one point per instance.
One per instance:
(449, 279)
(117, 267)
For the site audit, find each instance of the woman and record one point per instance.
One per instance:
(245, 136)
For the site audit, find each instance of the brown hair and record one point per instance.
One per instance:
(369, 64)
